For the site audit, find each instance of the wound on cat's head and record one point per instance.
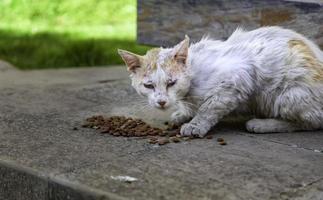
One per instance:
(161, 74)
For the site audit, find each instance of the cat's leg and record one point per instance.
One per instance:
(271, 126)
(179, 118)
(209, 113)
(183, 114)
(303, 105)
(223, 99)
(311, 119)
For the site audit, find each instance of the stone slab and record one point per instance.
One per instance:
(164, 23)
(39, 109)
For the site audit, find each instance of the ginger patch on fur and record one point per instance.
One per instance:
(306, 58)
(150, 59)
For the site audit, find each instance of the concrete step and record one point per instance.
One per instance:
(43, 157)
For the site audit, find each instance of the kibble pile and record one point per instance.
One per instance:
(129, 127)
(122, 126)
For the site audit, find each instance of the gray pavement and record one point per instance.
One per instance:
(42, 157)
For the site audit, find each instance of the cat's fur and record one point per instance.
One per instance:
(274, 73)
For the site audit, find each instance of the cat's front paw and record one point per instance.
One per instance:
(191, 129)
(178, 118)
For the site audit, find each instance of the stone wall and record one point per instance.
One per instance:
(165, 22)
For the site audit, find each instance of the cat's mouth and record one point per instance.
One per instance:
(162, 107)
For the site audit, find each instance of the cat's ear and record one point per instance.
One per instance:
(132, 60)
(181, 50)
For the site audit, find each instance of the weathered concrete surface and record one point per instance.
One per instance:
(42, 157)
(165, 23)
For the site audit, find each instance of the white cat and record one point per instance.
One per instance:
(274, 73)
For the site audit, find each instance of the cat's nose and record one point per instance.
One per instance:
(161, 103)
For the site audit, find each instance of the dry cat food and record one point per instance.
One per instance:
(221, 141)
(175, 139)
(163, 140)
(121, 126)
(209, 137)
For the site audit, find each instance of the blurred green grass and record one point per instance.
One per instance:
(66, 33)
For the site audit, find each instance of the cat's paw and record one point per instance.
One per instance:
(270, 126)
(178, 118)
(255, 126)
(191, 129)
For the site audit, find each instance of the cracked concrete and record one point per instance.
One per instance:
(42, 157)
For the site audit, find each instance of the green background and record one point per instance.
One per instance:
(66, 33)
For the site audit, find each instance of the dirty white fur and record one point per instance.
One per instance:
(251, 72)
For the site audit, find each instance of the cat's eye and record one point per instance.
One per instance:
(171, 83)
(149, 85)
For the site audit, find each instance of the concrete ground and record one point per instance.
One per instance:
(42, 157)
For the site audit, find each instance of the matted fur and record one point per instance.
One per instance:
(270, 72)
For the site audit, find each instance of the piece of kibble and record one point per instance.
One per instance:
(152, 141)
(209, 137)
(175, 139)
(220, 140)
(86, 125)
(163, 141)
(223, 143)
(162, 133)
(151, 133)
(171, 133)
(105, 130)
(116, 134)
(166, 123)
(175, 126)
(138, 134)
(143, 134)
(152, 138)
(124, 134)
(75, 129)
(171, 126)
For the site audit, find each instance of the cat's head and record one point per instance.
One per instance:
(161, 75)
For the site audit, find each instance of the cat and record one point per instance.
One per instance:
(273, 73)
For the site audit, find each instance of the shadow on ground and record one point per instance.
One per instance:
(54, 50)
